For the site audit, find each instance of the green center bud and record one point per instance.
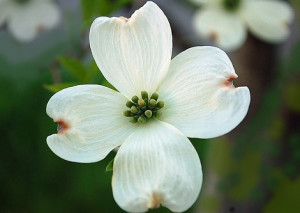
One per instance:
(133, 120)
(143, 109)
(142, 103)
(144, 94)
(129, 104)
(135, 99)
(160, 104)
(127, 113)
(142, 120)
(134, 109)
(148, 113)
(154, 96)
(231, 5)
(152, 103)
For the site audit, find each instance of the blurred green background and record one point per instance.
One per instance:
(255, 168)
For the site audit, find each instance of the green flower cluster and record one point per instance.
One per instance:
(140, 110)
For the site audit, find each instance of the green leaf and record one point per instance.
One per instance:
(87, 8)
(277, 128)
(292, 96)
(74, 67)
(107, 84)
(57, 87)
(296, 7)
(93, 73)
(94, 8)
(248, 176)
(285, 198)
(109, 166)
(219, 155)
(292, 63)
(210, 204)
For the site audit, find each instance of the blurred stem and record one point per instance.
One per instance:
(85, 45)
(55, 74)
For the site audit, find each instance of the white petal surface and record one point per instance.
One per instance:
(32, 18)
(156, 164)
(199, 98)
(133, 54)
(6, 8)
(268, 20)
(96, 125)
(226, 29)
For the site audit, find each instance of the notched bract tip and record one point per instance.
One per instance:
(62, 126)
(123, 18)
(213, 36)
(229, 82)
(40, 29)
(154, 201)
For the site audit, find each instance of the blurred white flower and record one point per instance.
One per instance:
(190, 96)
(225, 22)
(26, 18)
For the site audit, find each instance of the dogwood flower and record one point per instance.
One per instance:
(27, 18)
(158, 105)
(225, 22)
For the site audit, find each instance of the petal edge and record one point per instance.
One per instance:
(133, 54)
(92, 122)
(156, 164)
(199, 99)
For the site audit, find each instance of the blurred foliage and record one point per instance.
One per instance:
(211, 204)
(291, 66)
(243, 174)
(296, 5)
(293, 97)
(277, 128)
(247, 173)
(220, 151)
(109, 167)
(285, 198)
(78, 72)
(76, 68)
(259, 166)
(57, 87)
(95, 8)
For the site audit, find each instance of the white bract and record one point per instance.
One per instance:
(156, 163)
(225, 22)
(27, 18)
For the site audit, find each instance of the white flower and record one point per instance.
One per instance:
(226, 21)
(26, 18)
(156, 163)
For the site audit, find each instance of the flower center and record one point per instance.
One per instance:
(21, 1)
(143, 109)
(231, 5)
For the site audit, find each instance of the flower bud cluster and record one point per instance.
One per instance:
(144, 108)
